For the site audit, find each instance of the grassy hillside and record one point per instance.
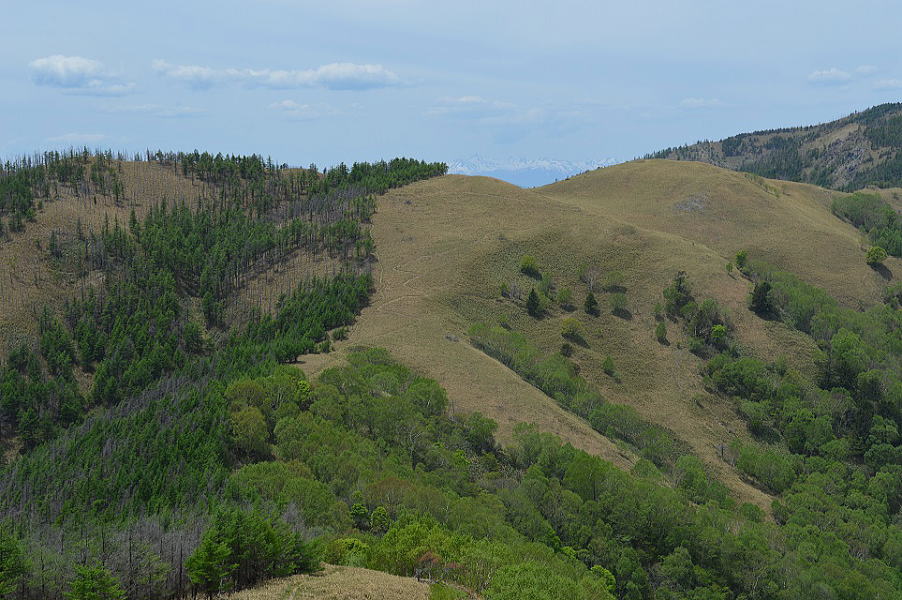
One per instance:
(863, 149)
(785, 223)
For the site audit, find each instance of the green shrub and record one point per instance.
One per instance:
(528, 266)
(571, 329)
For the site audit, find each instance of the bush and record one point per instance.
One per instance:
(528, 266)
(875, 256)
(742, 259)
(618, 303)
(571, 329)
(772, 468)
(661, 332)
(608, 366)
(565, 298)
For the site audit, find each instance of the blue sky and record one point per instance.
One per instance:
(346, 80)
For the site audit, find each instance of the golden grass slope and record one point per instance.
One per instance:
(788, 224)
(339, 583)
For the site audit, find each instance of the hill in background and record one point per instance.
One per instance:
(860, 150)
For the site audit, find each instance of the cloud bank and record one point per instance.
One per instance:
(77, 75)
(333, 76)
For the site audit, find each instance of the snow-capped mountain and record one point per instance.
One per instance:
(525, 172)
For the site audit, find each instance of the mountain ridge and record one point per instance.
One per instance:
(860, 150)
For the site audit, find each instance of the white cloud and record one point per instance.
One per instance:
(333, 76)
(157, 110)
(866, 69)
(302, 112)
(829, 76)
(889, 84)
(77, 75)
(78, 138)
(700, 102)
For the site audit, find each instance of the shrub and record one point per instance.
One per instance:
(565, 298)
(661, 331)
(613, 281)
(771, 468)
(742, 259)
(618, 303)
(875, 256)
(571, 329)
(608, 366)
(528, 266)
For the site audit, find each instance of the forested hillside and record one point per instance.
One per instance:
(863, 149)
(114, 422)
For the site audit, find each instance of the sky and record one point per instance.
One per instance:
(493, 85)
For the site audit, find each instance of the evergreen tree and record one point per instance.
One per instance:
(591, 304)
(533, 304)
(94, 583)
(210, 566)
(761, 302)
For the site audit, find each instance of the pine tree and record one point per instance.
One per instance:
(533, 306)
(210, 565)
(591, 304)
(94, 583)
(761, 302)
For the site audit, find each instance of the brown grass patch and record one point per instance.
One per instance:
(339, 583)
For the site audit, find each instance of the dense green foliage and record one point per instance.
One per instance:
(875, 217)
(833, 449)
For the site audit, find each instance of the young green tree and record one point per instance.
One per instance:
(661, 332)
(875, 256)
(210, 566)
(94, 583)
(533, 304)
(742, 258)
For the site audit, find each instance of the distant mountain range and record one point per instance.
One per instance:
(525, 172)
(860, 150)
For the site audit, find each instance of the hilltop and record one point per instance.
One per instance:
(860, 150)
